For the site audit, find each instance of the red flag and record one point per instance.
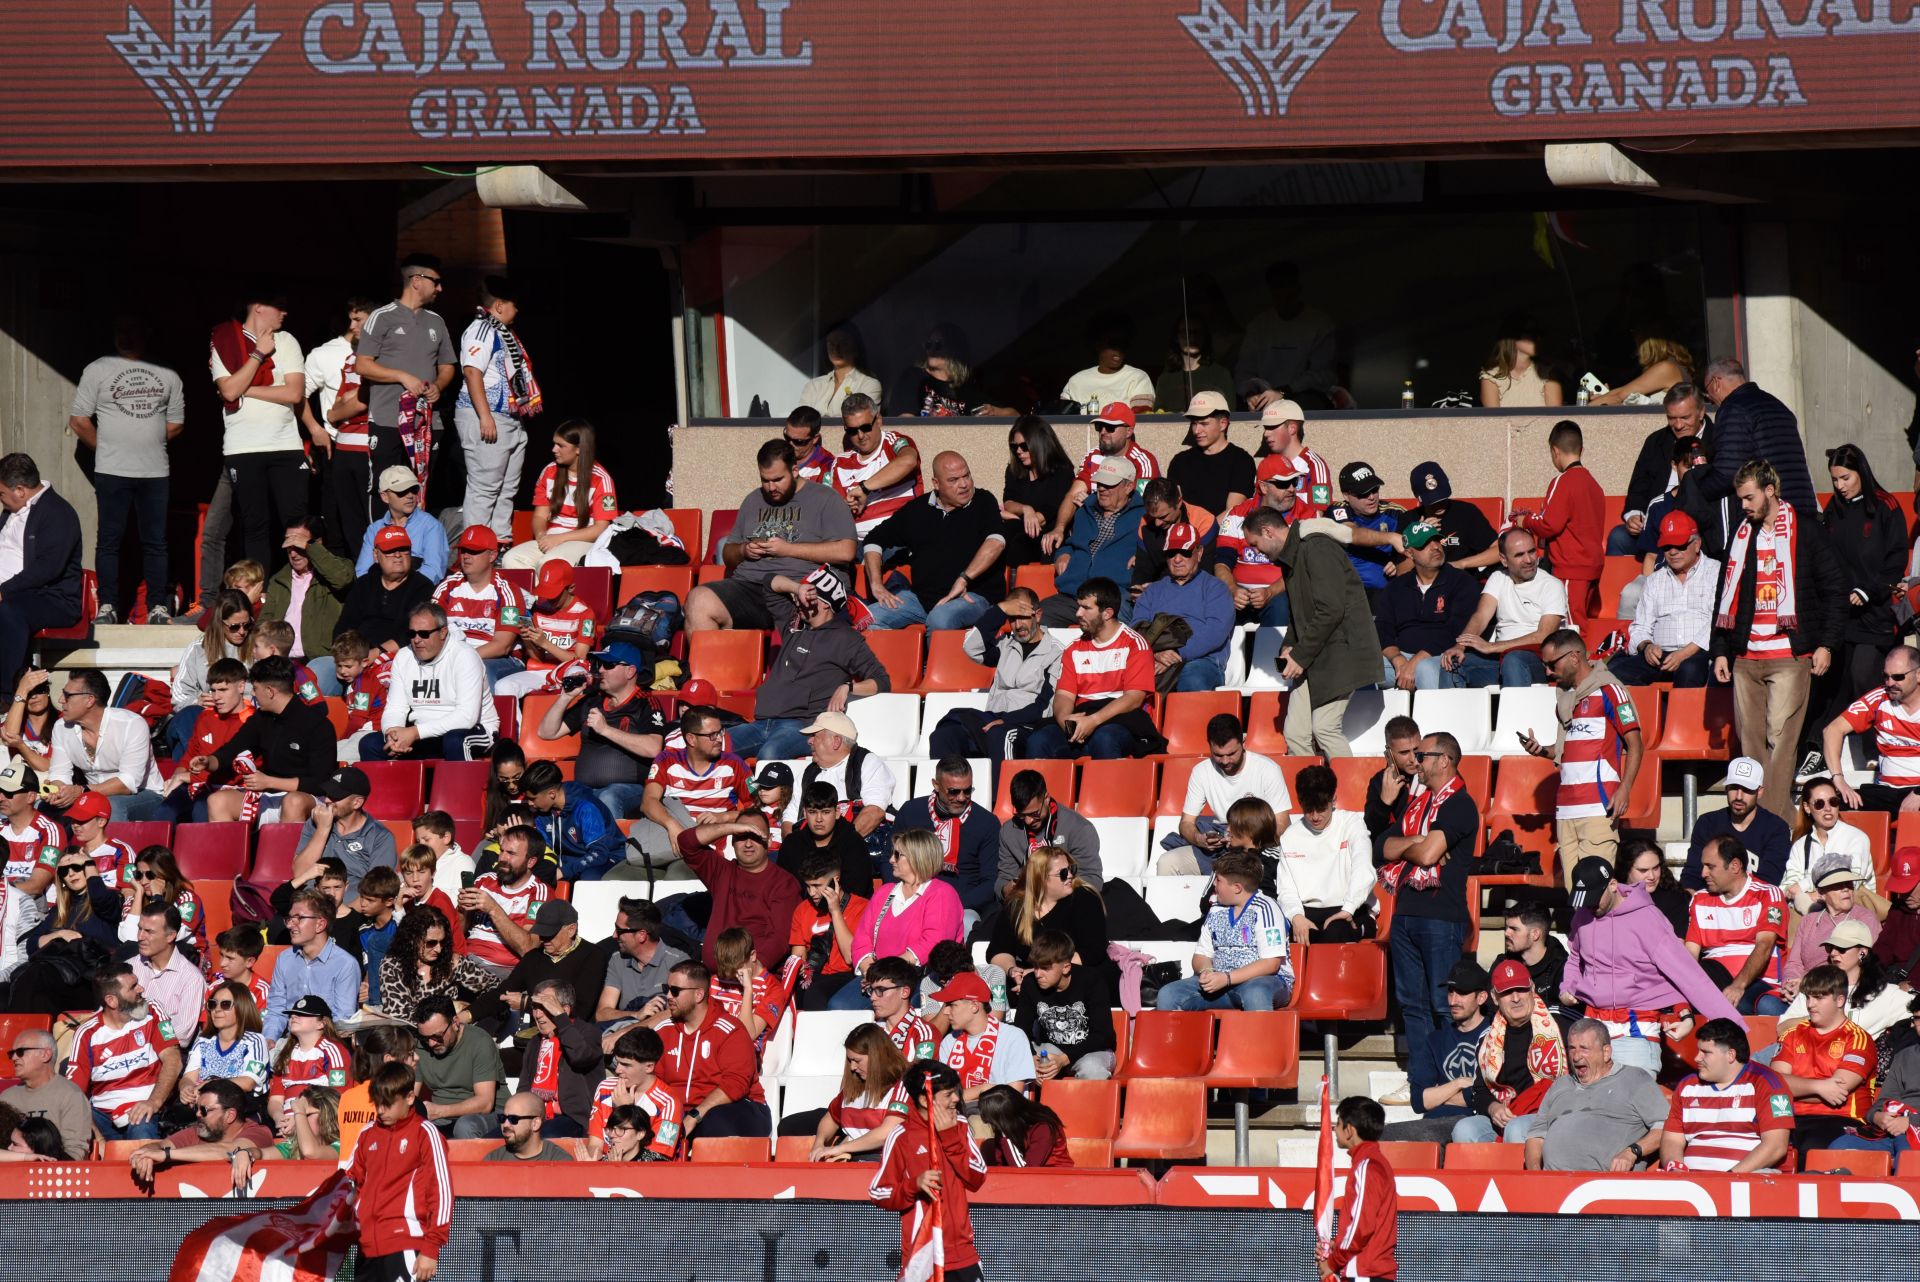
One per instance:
(927, 1261)
(1323, 1176)
(305, 1242)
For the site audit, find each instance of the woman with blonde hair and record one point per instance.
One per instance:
(573, 502)
(907, 916)
(1512, 376)
(1663, 363)
(871, 1103)
(1050, 893)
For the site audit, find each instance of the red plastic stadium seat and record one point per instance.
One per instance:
(1173, 784)
(144, 833)
(1411, 1155)
(273, 853)
(398, 788)
(89, 606)
(1524, 789)
(1853, 1161)
(1087, 1109)
(1266, 716)
(337, 713)
(635, 579)
(1486, 1157)
(564, 748)
(1038, 576)
(719, 525)
(593, 588)
(1615, 575)
(1184, 720)
(1699, 725)
(522, 526)
(470, 1150)
(11, 1026)
(733, 660)
(1058, 774)
(1090, 1155)
(1169, 1043)
(1910, 1164)
(686, 523)
(218, 897)
(460, 788)
(898, 650)
(1352, 775)
(1165, 1118)
(792, 1148)
(209, 852)
(1119, 787)
(730, 1148)
(1257, 1049)
(1290, 768)
(1342, 981)
(949, 670)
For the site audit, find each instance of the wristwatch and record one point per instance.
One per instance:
(1639, 1154)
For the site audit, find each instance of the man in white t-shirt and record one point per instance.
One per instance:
(348, 501)
(1525, 605)
(486, 415)
(260, 376)
(1109, 378)
(1229, 773)
(127, 409)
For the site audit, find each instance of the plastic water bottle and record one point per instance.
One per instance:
(1406, 395)
(1582, 397)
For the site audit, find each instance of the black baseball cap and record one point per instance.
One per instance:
(1591, 877)
(775, 774)
(554, 916)
(311, 1005)
(348, 781)
(1468, 976)
(1359, 478)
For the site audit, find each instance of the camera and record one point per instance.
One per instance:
(574, 682)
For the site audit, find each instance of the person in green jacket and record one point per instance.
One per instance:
(1333, 648)
(326, 577)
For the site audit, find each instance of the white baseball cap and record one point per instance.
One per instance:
(1745, 772)
(1278, 412)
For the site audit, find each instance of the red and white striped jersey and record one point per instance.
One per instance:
(114, 858)
(1595, 746)
(720, 788)
(1251, 568)
(817, 467)
(40, 842)
(914, 1037)
(1315, 489)
(1764, 639)
(1725, 928)
(117, 1070)
(328, 1064)
(478, 613)
(1093, 671)
(1145, 465)
(772, 990)
(483, 941)
(568, 627)
(1896, 733)
(353, 434)
(656, 1102)
(850, 469)
(857, 1117)
(1722, 1124)
(601, 503)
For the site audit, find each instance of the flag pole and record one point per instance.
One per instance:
(1323, 1177)
(938, 1160)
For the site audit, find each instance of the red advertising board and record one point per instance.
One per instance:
(395, 82)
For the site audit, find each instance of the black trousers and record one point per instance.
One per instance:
(22, 615)
(397, 1266)
(741, 1117)
(1344, 932)
(269, 490)
(349, 502)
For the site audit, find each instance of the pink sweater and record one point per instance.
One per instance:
(930, 917)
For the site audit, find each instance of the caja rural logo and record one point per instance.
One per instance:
(193, 74)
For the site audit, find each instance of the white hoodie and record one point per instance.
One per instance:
(448, 694)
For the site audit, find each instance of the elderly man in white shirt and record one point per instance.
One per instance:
(103, 749)
(1673, 622)
(1228, 774)
(1326, 866)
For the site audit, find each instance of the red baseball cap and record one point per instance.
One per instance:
(555, 577)
(1115, 412)
(699, 692)
(1278, 466)
(1676, 528)
(1906, 871)
(1509, 974)
(478, 538)
(392, 538)
(89, 805)
(1182, 537)
(966, 986)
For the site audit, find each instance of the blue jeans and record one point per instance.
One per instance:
(471, 744)
(1108, 743)
(951, 616)
(1514, 668)
(1263, 992)
(1479, 1129)
(623, 799)
(1620, 541)
(1631, 669)
(775, 739)
(146, 498)
(1200, 674)
(1276, 613)
(1423, 951)
(1758, 1001)
(134, 807)
(503, 666)
(1892, 1145)
(148, 1130)
(179, 731)
(849, 996)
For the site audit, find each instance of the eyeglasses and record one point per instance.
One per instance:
(1422, 756)
(675, 991)
(75, 694)
(874, 990)
(432, 280)
(225, 1003)
(303, 917)
(705, 734)
(423, 633)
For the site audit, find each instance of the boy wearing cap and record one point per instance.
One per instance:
(484, 608)
(1202, 600)
(1673, 616)
(984, 1051)
(1103, 540)
(1113, 429)
(400, 491)
(559, 636)
(1465, 532)
(1571, 525)
(621, 729)
(380, 600)
(1360, 507)
(1212, 471)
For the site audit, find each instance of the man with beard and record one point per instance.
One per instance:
(125, 1058)
(784, 530)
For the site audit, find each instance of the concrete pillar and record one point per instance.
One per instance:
(34, 395)
(1772, 335)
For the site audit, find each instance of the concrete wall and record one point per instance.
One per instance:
(1500, 454)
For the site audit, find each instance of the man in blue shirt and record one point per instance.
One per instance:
(1199, 598)
(400, 491)
(1360, 506)
(1442, 1069)
(314, 965)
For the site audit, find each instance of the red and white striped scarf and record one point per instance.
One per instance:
(1418, 819)
(1786, 534)
(972, 1057)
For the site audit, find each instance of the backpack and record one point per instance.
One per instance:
(649, 620)
(150, 697)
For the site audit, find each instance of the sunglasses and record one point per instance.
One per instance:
(204, 1111)
(67, 869)
(675, 991)
(1065, 874)
(1824, 803)
(225, 1003)
(1282, 482)
(432, 941)
(1898, 676)
(423, 633)
(18, 1051)
(957, 792)
(240, 625)
(411, 489)
(1021, 445)
(432, 280)
(518, 1118)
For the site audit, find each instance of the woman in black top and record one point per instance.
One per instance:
(1051, 893)
(1868, 533)
(1641, 861)
(940, 383)
(1039, 474)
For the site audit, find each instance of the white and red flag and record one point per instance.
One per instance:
(305, 1242)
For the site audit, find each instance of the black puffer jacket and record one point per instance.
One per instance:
(1869, 538)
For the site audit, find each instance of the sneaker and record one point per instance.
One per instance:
(160, 615)
(1812, 766)
(107, 617)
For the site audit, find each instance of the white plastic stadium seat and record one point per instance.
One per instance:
(935, 706)
(1235, 674)
(1522, 708)
(661, 889)
(1263, 663)
(778, 1051)
(1176, 898)
(903, 768)
(1368, 712)
(1465, 714)
(804, 1094)
(598, 903)
(1164, 826)
(889, 723)
(1123, 845)
(1165, 950)
(819, 1041)
(982, 775)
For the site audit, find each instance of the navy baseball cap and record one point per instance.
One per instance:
(619, 652)
(1430, 484)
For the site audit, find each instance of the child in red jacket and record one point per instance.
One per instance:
(1370, 1215)
(404, 1198)
(1572, 527)
(916, 1176)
